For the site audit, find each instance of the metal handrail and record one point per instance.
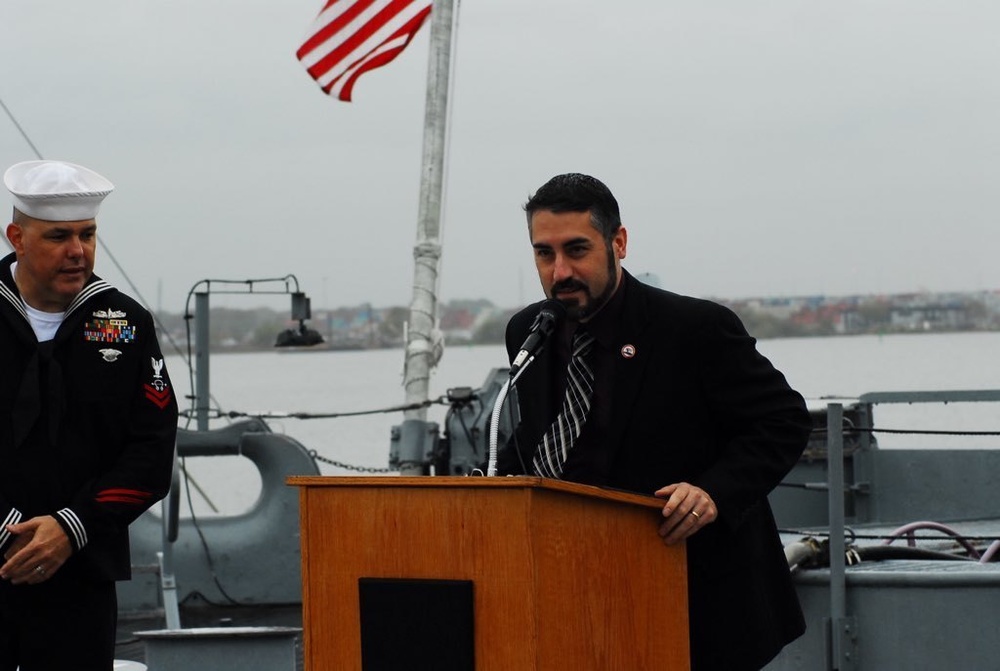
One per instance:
(953, 396)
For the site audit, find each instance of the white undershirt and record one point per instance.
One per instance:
(44, 324)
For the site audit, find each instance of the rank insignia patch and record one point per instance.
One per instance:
(157, 391)
(109, 331)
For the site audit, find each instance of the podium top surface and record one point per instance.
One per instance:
(474, 482)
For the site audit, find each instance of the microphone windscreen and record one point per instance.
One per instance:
(552, 310)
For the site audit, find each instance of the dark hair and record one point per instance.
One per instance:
(574, 192)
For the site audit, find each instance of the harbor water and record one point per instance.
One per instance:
(326, 382)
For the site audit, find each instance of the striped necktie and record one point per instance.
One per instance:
(557, 441)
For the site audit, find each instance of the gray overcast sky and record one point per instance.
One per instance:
(780, 147)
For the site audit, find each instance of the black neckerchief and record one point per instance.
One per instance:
(42, 371)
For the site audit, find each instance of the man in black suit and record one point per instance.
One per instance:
(669, 398)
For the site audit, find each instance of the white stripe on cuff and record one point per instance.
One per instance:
(13, 517)
(76, 526)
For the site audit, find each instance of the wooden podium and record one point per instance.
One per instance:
(524, 573)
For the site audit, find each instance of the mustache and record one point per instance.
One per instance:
(569, 285)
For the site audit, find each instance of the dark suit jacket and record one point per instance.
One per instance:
(697, 403)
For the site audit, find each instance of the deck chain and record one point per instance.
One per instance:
(350, 467)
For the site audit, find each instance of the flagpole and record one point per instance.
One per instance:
(422, 341)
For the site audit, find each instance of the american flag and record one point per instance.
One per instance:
(351, 37)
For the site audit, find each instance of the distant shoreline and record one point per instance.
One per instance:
(479, 321)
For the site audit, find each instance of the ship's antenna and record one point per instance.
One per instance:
(27, 139)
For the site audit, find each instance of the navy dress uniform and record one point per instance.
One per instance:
(88, 421)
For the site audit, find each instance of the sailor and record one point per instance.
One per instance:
(645, 390)
(88, 420)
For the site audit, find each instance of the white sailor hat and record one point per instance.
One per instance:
(56, 190)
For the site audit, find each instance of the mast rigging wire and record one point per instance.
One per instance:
(104, 247)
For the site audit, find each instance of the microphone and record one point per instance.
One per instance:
(549, 315)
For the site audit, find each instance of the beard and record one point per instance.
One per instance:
(577, 310)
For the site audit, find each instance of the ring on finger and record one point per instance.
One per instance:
(696, 515)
